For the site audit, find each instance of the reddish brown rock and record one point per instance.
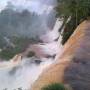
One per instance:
(72, 67)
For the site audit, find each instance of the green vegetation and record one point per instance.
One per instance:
(15, 25)
(21, 43)
(76, 10)
(54, 86)
(9, 53)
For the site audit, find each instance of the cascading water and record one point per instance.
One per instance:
(22, 73)
(53, 34)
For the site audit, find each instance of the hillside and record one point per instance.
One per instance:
(17, 27)
(72, 67)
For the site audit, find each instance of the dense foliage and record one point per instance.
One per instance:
(19, 45)
(76, 10)
(54, 86)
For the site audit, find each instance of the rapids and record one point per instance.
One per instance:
(23, 72)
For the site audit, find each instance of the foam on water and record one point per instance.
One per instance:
(53, 34)
(22, 73)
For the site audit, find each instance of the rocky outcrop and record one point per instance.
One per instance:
(72, 67)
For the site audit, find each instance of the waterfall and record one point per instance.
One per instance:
(54, 34)
(23, 72)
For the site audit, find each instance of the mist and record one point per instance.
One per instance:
(37, 6)
(30, 19)
(27, 26)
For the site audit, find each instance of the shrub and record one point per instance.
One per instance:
(54, 86)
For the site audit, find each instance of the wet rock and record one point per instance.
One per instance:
(37, 61)
(50, 56)
(56, 39)
(54, 56)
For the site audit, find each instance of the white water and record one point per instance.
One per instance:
(23, 73)
(53, 34)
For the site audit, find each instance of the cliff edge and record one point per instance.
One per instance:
(72, 67)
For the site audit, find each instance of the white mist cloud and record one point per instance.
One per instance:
(39, 6)
(3, 3)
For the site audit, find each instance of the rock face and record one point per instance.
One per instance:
(72, 67)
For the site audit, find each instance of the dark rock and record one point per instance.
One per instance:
(38, 61)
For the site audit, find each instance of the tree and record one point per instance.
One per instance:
(73, 8)
(76, 10)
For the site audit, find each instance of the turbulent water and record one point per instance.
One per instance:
(22, 73)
